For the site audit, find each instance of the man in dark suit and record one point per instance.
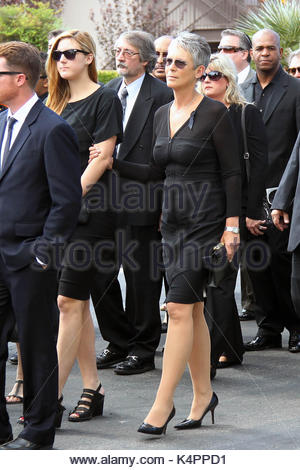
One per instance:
(277, 95)
(141, 95)
(287, 200)
(40, 197)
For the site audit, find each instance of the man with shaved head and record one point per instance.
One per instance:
(277, 95)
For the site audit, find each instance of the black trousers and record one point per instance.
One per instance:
(295, 284)
(137, 330)
(223, 321)
(269, 266)
(31, 294)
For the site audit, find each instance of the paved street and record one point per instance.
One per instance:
(258, 409)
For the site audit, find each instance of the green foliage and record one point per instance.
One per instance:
(282, 17)
(105, 76)
(28, 23)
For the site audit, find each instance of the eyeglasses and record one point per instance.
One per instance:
(127, 53)
(69, 54)
(9, 72)
(42, 77)
(230, 49)
(179, 64)
(293, 70)
(214, 76)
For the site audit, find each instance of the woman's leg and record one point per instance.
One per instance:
(199, 364)
(69, 335)
(18, 387)
(177, 352)
(87, 353)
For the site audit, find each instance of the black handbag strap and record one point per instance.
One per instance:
(246, 153)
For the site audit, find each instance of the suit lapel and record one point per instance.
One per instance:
(137, 119)
(21, 138)
(280, 89)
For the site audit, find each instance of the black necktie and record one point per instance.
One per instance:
(11, 121)
(123, 99)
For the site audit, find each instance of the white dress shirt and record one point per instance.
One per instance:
(243, 74)
(133, 91)
(20, 117)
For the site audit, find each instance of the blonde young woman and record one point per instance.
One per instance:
(95, 113)
(220, 83)
(195, 151)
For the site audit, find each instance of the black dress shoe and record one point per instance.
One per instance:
(294, 342)
(196, 423)
(22, 444)
(134, 365)
(246, 315)
(261, 342)
(109, 358)
(14, 359)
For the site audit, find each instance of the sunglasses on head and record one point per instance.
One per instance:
(230, 49)
(293, 70)
(179, 64)
(214, 76)
(69, 54)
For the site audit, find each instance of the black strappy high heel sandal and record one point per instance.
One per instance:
(93, 406)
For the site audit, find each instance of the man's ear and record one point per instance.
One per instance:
(21, 79)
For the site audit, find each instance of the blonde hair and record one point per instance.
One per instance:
(59, 89)
(222, 63)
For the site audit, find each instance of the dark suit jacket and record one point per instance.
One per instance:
(137, 148)
(40, 190)
(254, 190)
(282, 121)
(289, 193)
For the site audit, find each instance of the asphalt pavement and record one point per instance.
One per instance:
(258, 406)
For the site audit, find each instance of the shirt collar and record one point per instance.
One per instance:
(22, 112)
(243, 74)
(133, 87)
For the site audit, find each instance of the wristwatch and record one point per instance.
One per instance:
(232, 229)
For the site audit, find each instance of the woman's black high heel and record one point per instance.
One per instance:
(93, 406)
(59, 412)
(154, 430)
(196, 423)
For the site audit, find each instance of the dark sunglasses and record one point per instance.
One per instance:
(214, 76)
(69, 54)
(293, 70)
(9, 72)
(179, 64)
(230, 49)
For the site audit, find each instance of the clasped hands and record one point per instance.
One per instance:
(95, 152)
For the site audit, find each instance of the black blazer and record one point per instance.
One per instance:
(137, 148)
(282, 121)
(288, 194)
(40, 191)
(252, 192)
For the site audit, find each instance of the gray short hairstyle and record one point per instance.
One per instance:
(144, 42)
(196, 45)
(245, 41)
(292, 55)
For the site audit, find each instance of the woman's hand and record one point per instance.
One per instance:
(232, 242)
(256, 227)
(95, 152)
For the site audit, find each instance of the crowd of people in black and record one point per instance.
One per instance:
(183, 169)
